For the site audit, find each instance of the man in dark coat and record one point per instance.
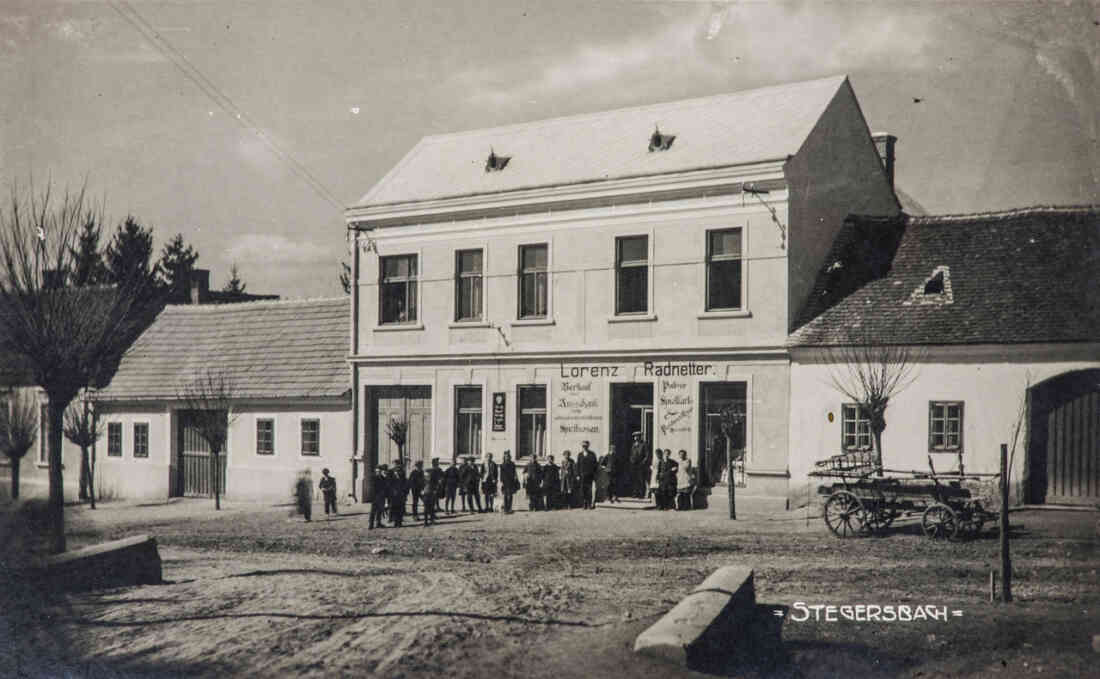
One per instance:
(489, 482)
(586, 470)
(416, 485)
(328, 490)
(509, 481)
(614, 465)
(532, 483)
(435, 475)
(639, 456)
(303, 495)
(551, 484)
(380, 496)
(470, 478)
(398, 487)
(451, 483)
(668, 484)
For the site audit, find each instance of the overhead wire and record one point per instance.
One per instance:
(222, 100)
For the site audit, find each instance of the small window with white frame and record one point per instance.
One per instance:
(724, 271)
(945, 426)
(855, 431)
(265, 436)
(311, 437)
(397, 289)
(114, 439)
(141, 439)
(632, 275)
(468, 421)
(534, 284)
(469, 285)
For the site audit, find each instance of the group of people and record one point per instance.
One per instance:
(436, 489)
(570, 485)
(672, 481)
(303, 493)
(639, 473)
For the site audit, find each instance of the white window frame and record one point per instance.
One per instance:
(257, 440)
(134, 439)
(946, 447)
(416, 322)
(859, 418)
(546, 443)
(458, 412)
(302, 437)
(482, 322)
(548, 316)
(651, 283)
(120, 439)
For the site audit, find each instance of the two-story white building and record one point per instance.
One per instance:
(529, 287)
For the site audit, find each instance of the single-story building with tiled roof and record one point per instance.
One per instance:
(1002, 314)
(291, 410)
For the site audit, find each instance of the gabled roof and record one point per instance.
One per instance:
(757, 125)
(1020, 276)
(284, 349)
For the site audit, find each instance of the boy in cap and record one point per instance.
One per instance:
(328, 490)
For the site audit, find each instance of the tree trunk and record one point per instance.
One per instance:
(877, 436)
(217, 496)
(83, 494)
(732, 481)
(56, 411)
(15, 477)
(88, 458)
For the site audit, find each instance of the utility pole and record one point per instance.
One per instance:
(1006, 562)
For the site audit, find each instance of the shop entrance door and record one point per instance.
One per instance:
(411, 404)
(631, 411)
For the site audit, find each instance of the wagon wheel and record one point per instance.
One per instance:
(846, 516)
(939, 521)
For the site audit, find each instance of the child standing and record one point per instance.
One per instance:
(328, 489)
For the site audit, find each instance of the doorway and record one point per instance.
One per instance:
(410, 404)
(1064, 441)
(631, 411)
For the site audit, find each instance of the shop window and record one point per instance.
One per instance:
(265, 436)
(632, 275)
(532, 420)
(311, 437)
(724, 270)
(945, 419)
(468, 285)
(468, 421)
(114, 439)
(398, 289)
(855, 429)
(534, 290)
(141, 439)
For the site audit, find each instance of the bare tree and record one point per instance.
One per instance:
(398, 431)
(82, 428)
(733, 429)
(70, 336)
(209, 398)
(18, 430)
(869, 375)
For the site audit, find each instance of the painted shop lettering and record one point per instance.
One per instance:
(589, 371)
(670, 369)
(577, 403)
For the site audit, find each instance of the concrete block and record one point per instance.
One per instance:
(130, 561)
(710, 618)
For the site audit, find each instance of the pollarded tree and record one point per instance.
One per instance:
(18, 430)
(82, 428)
(398, 430)
(70, 336)
(209, 398)
(869, 375)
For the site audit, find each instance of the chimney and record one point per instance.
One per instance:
(200, 285)
(884, 143)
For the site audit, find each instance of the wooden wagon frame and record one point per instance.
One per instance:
(865, 498)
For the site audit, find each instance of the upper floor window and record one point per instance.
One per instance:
(397, 288)
(114, 439)
(265, 436)
(632, 275)
(141, 439)
(724, 270)
(311, 437)
(533, 284)
(945, 419)
(855, 433)
(468, 285)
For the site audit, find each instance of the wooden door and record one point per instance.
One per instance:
(411, 404)
(1073, 451)
(195, 463)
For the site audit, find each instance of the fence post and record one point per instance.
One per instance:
(1006, 563)
(732, 479)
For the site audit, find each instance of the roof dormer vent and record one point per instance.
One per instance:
(496, 163)
(660, 142)
(936, 289)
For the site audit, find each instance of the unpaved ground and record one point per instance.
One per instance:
(560, 594)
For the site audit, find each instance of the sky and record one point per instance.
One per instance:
(995, 103)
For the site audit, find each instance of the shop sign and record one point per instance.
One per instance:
(498, 410)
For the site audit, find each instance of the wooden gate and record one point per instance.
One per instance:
(1065, 439)
(413, 404)
(195, 467)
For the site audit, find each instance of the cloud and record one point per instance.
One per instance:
(268, 249)
(732, 43)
